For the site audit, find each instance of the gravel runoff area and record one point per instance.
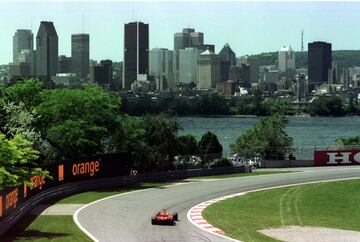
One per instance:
(311, 234)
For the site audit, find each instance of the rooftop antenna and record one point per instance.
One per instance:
(302, 40)
(133, 15)
(83, 22)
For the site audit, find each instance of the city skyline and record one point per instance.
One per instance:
(262, 26)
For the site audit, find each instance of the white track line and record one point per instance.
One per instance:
(75, 216)
(195, 217)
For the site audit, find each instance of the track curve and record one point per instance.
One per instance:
(126, 217)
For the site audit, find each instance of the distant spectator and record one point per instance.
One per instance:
(291, 156)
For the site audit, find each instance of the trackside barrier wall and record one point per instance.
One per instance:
(61, 174)
(19, 207)
(286, 163)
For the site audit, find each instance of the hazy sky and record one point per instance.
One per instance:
(249, 27)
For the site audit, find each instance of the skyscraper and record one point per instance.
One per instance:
(188, 58)
(182, 40)
(136, 53)
(80, 54)
(161, 66)
(46, 51)
(64, 64)
(103, 73)
(254, 67)
(319, 64)
(286, 59)
(227, 58)
(23, 40)
(208, 70)
(187, 38)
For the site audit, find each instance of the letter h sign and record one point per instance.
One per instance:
(338, 158)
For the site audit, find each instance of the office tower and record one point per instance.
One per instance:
(335, 73)
(319, 64)
(240, 74)
(187, 38)
(46, 51)
(23, 39)
(208, 70)
(19, 71)
(28, 56)
(161, 67)
(286, 59)
(64, 64)
(300, 88)
(103, 73)
(136, 53)
(254, 67)
(80, 54)
(188, 58)
(227, 58)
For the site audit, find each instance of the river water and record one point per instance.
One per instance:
(309, 133)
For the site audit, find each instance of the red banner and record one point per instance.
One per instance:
(336, 157)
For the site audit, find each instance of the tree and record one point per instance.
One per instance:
(19, 121)
(187, 145)
(347, 142)
(267, 138)
(160, 138)
(17, 161)
(209, 144)
(78, 122)
(28, 92)
(327, 106)
(209, 148)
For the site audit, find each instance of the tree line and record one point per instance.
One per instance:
(214, 104)
(39, 126)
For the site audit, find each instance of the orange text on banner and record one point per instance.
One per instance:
(86, 168)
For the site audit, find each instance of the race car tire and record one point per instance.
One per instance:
(175, 216)
(153, 221)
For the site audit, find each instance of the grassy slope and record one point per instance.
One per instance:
(255, 173)
(88, 197)
(333, 205)
(46, 228)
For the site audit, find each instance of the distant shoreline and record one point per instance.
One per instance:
(237, 116)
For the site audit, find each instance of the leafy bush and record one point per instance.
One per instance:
(222, 162)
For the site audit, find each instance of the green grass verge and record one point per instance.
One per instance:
(332, 205)
(46, 228)
(88, 197)
(255, 173)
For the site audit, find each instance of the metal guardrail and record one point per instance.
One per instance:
(82, 186)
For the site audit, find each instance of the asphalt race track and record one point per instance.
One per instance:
(127, 217)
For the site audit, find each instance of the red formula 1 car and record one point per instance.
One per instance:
(164, 218)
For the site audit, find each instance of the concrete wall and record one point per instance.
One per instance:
(287, 163)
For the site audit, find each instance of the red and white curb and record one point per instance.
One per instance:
(194, 215)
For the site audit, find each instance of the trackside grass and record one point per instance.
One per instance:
(242, 174)
(46, 228)
(332, 205)
(88, 197)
